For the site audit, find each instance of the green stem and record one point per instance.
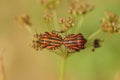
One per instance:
(62, 72)
(28, 28)
(94, 34)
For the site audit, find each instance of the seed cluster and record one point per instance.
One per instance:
(111, 23)
(49, 4)
(24, 20)
(67, 23)
(77, 8)
(48, 16)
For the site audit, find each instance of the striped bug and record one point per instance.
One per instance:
(74, 42)
(48, 40)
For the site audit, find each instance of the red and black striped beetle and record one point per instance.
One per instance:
(48, 40)
(74, 42)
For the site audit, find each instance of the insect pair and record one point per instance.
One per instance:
(52, 40)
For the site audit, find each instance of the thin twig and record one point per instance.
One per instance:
(94, 34)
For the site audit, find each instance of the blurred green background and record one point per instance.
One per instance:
(23, 63)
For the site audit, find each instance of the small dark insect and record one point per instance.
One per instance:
(96, 44)
(74, 42)
(49, 40)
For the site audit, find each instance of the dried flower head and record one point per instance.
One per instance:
(112, 17)
(78, 8)
(107, 27)
(110, 22)
(118, 29)
(49, 4)
(24, 20)
(67, 23)
(48, 17)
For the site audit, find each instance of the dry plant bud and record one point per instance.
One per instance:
(110, 22)
(112, 17)
(107, 27)
(24, 20)
(67, 23)
(78, 8)
(118, 29)
(48, 17)
(50, 4)
(61, 20)
(44, 1)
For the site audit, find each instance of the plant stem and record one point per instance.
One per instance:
(94, 34)
(28, 28)
(62, 72)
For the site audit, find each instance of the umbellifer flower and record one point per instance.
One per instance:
(78, 8)
(24, 20)
(49, 4)
(48, 17)
(110, 23)
(67, 23)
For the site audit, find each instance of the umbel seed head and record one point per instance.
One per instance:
(66, 23)
(79, 8)
(110, 23)
(50, 4)
(24, 20)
